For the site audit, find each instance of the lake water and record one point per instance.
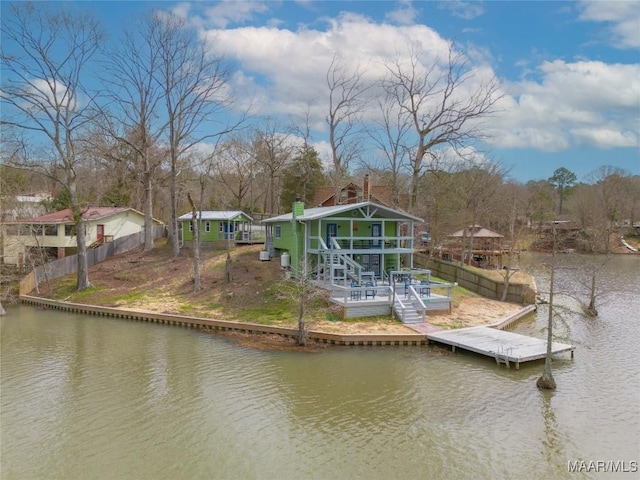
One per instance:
(97, 398)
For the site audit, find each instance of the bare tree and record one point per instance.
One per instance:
(390, 137)
(346, 90)
(272, 150)
(475, 187)
(546, 381)
(443, 104)
(195, 226)
(45, 56)
(192, 84)
(301, 291)
(233, 168)
(135, 98)
(512, 214)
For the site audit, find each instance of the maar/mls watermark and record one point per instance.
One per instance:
(602, 466)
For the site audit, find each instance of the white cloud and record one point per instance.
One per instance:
(286, 70)
(465, 10)
(623, 18)
(49, 96)
(580, 103)
(222, 14)
(405, 14)
(606, 137)
(575, 104)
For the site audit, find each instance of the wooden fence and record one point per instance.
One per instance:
(67, 265)
(476, 282)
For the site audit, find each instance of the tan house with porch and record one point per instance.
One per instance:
(54, 236)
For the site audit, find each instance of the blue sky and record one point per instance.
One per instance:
(569, 71)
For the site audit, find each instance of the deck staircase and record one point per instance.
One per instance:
(408, 308)
(339, 268)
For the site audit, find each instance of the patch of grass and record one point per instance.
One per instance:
(65, 289)
(375, 319)
(130, 277)
(127, 297)
(269, 314)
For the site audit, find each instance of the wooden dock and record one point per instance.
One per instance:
(505, 347)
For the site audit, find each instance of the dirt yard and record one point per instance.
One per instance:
(156, 281)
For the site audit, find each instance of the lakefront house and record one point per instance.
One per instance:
(362, 252)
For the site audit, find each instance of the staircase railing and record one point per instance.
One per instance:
(414, 298)
(412, 304)
(352, 268)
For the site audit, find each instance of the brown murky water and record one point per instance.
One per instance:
(96, 398)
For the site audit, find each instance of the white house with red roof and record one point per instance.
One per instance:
(54, 233)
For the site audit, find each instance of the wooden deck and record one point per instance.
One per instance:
(505, 347)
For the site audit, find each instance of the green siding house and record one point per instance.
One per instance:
(343, 243)
(363, 254)
(219, 227)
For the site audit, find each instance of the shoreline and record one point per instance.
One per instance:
(227, 326)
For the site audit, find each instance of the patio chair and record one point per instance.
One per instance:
(370, 290)
(356, 293)
(425, 288)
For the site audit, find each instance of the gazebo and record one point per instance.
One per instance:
(483, 245)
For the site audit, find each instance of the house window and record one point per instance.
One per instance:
(51, 230)
(278, 231)
(190, 227)
(207, 226)
(220, 227)
(69, 230)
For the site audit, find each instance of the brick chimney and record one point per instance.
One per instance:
(365, 188)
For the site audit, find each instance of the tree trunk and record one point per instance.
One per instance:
(2, 310)
(83, 264)
(505, 288)
(591, 309)
(195, 227)
(546, 381)
(148, 211)
(415, 173)
(228, 268)
(81, 240)
(175, 244)
(302, 330)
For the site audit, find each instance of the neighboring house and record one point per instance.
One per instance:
(220, 228)
(352, 193)
(362, 253)
(54, 233)
(486, 246)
